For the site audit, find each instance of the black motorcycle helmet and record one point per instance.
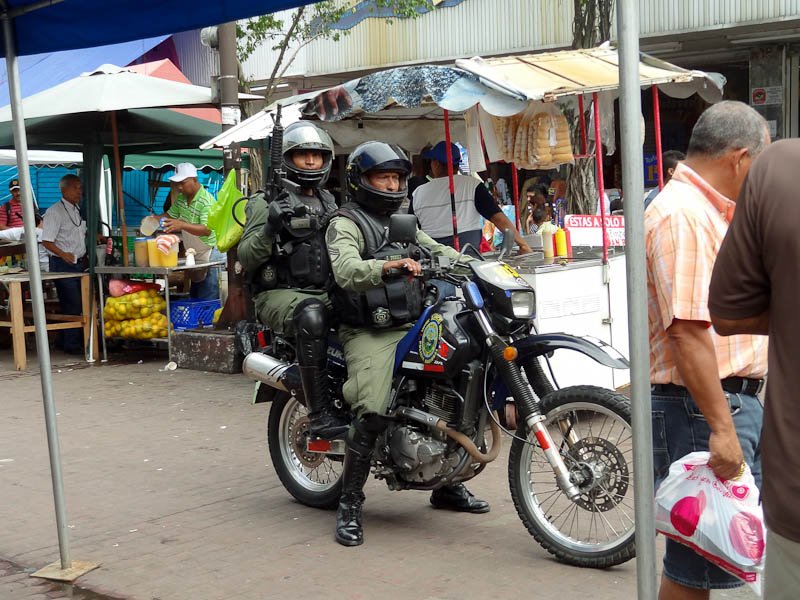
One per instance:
(304, 135)
(377, 156)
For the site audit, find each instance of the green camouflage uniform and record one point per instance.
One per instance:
(275, 308)
(369, 352)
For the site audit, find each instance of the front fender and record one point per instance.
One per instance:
(596, 349)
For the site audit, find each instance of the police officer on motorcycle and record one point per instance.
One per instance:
(376, 309)
(283, 250)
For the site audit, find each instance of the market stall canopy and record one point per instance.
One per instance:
(110, 87)
(76, 113)
(397, 104)
(400, 104)
(43, 157)
(50, 25)
(166, 69)
(204, 160)
(553, 75)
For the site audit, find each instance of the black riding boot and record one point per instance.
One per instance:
(311, 323)
(360, 443)
(325, 422)
(457, 497)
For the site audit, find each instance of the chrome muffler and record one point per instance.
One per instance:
(273, 372)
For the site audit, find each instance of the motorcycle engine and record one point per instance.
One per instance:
(419, 457)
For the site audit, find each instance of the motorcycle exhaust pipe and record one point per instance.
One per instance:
(273, 372)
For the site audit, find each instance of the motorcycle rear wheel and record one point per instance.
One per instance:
(591, 426)
(311, 478)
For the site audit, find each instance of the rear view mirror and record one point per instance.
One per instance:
(403, 228)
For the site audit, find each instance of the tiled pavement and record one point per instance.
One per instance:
(169, 486)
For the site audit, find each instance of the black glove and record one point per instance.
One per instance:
(278, 212)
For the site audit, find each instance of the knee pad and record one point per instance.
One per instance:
(311, 319)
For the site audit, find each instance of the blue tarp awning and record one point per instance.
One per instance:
(43, 71)
(72, 24)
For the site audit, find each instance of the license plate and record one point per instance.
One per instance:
(325, 446)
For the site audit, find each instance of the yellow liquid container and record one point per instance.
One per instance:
(140, 251)
(561, 242)
(158, 258)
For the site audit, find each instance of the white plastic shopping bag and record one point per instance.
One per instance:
(720, 520)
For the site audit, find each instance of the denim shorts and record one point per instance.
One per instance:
(678, 429)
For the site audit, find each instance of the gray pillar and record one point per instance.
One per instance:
(633, 184)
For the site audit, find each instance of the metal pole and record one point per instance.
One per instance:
(601, 187)
(657, 127)
(456, 243)
(37, 298)
(633, 183)
(515, 194)
(238, 305)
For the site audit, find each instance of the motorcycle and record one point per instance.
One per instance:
(570, 466)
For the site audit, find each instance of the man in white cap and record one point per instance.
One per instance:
(188, 216)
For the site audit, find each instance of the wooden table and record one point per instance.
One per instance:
(12, 248)
(13, 282)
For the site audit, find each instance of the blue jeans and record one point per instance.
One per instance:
(69, 301)
(208, 289)
(678, 429)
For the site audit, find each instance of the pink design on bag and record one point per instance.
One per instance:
(685, 513)
(746, 535)
(740, 491)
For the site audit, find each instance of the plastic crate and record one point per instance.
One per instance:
(192, 314)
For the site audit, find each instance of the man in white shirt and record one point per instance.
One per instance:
(431, 204)
(64, 237)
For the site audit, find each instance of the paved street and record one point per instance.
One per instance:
(169, 486)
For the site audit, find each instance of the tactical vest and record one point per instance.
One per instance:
(301, 258)
(399, 301)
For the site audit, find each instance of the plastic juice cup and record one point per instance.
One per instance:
(153, 255)
(141, 253)
(171, 259)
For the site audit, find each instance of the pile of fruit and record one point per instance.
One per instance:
(136, 316)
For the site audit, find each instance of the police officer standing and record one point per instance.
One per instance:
(375, 311)
(283, 250)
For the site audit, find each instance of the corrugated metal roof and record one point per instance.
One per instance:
(550, 75)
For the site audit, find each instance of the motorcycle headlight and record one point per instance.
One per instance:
(523, 304)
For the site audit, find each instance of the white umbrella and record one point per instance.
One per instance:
(42, 157)
(112, 107)
(110, 88)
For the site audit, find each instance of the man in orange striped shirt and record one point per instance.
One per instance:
(704, 385)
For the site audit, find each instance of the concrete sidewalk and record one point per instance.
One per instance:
(169, 485)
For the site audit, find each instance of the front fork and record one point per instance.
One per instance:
(528, 405)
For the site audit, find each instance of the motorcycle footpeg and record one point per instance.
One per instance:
(323, 446)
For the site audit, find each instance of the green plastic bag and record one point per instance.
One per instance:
(221, 214)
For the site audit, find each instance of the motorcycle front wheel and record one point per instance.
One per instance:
(591, 427)
(313, 479)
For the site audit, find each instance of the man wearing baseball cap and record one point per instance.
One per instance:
(188, 216)
(11, 211)
(431, 203)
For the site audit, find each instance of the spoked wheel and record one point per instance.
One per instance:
(314, 479)
(591, 428)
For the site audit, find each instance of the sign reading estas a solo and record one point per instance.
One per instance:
(587, 230)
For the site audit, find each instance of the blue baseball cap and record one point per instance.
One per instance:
(439, 152)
